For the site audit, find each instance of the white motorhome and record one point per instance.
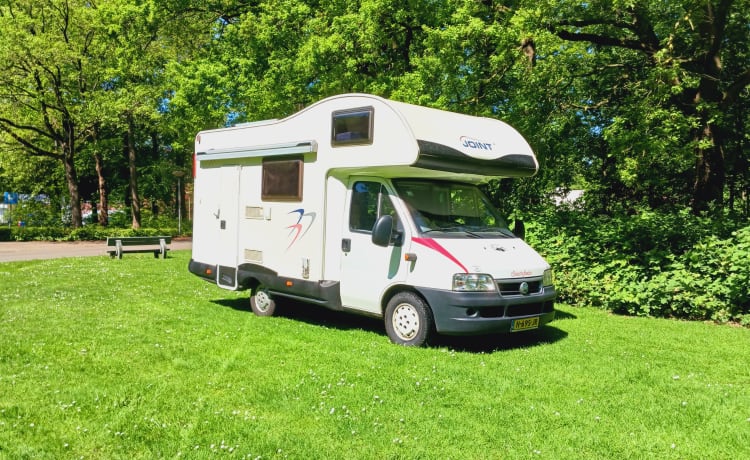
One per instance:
(367, 205)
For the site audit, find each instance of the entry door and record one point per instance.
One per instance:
(227, 220)
(367, 269)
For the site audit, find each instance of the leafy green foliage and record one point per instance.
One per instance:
(661, 86)
(623, 99)
(649, 264)
(36, 212)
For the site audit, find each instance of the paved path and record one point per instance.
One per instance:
(30, 250)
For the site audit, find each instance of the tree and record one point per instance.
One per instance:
(75, 74)
(277, 56)
(134, 85)
(641, 103)
(145, 39)
(683, 64)
(46, 72)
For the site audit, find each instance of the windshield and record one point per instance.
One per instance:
(451, 207)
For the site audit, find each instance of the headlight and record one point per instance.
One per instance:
(473, 282)
(548, 279)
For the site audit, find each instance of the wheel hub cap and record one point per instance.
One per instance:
(405, 321)
(262, 301)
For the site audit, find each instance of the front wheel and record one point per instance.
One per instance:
(262, 303)
(408, 320)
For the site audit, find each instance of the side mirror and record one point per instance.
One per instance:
(381, 231)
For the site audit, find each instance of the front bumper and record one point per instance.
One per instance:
(477, 313)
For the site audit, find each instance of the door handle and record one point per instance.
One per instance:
(346, 245)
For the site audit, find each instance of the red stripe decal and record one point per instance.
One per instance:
(434, 245)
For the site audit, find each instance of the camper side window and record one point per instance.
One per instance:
(282, 180)
(352, 126)
(370, 200)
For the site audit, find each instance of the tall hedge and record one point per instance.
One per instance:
(649, 264)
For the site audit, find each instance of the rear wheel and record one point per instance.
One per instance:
(261, 302)
(408, 320)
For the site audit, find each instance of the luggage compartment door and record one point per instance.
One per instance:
(227, 222)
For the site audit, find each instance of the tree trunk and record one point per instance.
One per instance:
(154, 158)
(135, 202)
(71, 178)
(709, 103)
(103, 211)
(710, 171)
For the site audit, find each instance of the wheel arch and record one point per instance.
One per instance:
(250, 276)
(398, 288)
(248, 283)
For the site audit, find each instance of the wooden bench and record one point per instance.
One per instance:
(123, 244)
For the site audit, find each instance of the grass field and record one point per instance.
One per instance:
(137, 358)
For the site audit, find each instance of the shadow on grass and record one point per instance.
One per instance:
(546, 334)
(319, 316)
(312, 314)
(564, 315)
(234, 304)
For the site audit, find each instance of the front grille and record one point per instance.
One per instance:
(532, 304)
(513, 287)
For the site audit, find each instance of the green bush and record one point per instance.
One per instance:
(27, 233)
(649, 264)
(91, 232)
(85, 233)
(710, 281)
(37, 212)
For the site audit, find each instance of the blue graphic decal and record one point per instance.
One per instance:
(296, 230)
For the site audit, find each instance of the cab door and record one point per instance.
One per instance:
(367, 269)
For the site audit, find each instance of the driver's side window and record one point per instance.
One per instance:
(370, 200)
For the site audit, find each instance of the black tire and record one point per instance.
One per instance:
(262, 303)
(409, 320)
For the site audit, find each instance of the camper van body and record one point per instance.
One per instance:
(329, 206)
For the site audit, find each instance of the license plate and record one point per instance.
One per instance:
(524, 324)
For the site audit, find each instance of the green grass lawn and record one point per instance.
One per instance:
(137, 358)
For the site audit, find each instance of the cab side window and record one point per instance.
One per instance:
(370, 200)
